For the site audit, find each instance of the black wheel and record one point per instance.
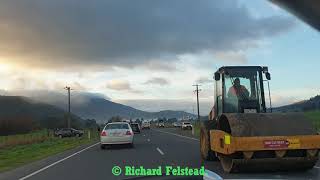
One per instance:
(227, 163)
(205, 149)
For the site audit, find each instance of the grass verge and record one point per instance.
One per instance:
(15, 156)
(196, 127)
(314, 116)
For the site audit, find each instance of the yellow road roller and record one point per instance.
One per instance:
(244, 135)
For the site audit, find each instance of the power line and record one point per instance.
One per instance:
(197, 91)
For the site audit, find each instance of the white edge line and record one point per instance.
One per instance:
(316, 167)
(57, 162)
(177, 135)
(159, 150)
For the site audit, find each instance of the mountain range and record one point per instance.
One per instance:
(88, 106)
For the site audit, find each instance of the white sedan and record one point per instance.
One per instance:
(116, 133)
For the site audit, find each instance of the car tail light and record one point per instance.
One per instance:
(103, 133)
(128, 133)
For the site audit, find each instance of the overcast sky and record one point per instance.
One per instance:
(147, 54)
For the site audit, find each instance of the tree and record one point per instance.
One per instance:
(115, 119)
(90, 123)
(138, 121)
(172, 120)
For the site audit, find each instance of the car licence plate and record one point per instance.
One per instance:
(116, 134)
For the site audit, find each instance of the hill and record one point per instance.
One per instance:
(102, 109)
(306, 105)
(20, 114)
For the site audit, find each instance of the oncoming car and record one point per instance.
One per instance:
(160, 123)
(145, 125)
(186, 125)
(116, 133)
(177, 124)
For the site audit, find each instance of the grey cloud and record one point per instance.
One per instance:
(157, 80)
(204, 80)
(122, 85)
(157, 65)
(126, 33)
(119, 85)
(57, 98)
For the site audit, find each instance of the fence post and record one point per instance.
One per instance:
(89, 134)
(192, 130)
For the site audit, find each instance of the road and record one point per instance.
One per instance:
(153, 148)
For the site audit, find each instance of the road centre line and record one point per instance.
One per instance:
(177, 135)
(159, 150)
(57, 162)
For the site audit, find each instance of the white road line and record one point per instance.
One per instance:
(148, 140)
(57, 162)
(177, 135)
(316, 167)
(159, 150)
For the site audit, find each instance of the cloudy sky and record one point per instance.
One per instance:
(147, 54)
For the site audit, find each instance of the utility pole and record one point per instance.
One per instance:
(69, 112)
(197, 91)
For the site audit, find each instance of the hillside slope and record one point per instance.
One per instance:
(23, 114)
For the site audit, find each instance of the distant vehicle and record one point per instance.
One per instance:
(116, 133)
(145, 125)
(68, 132)
(160, 123)
(177, 124)
(125, 120)
(186, 125)
(135, 128)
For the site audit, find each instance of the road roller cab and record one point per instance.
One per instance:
(243, 135)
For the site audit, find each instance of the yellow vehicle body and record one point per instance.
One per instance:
(224, 143)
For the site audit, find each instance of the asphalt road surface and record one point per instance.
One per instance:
(153, 148)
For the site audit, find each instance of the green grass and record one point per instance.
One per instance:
(314, 116)
(15, 156)
(22, 139)
(196, 127)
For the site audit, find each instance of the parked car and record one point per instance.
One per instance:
(145, 125)
(160, 123)
(186, 125)
(68, 132)
(116, 133)
(135, 128)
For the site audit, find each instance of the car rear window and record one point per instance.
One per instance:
(135, 127)
(117, 126)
